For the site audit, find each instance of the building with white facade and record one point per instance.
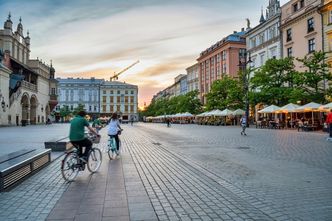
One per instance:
(264, 41)
(193, 77)
(75, 91)
(99, 97)
(27, 94)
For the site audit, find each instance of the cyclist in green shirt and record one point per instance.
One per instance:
(76, 134)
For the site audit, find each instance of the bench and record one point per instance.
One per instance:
(17, 166)
(57, 144)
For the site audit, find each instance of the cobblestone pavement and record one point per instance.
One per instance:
(34, 199)
(32, 136)
(188, 172)
(285, 174)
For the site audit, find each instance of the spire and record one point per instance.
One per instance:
(8, 24)
(262, 19)
(20, 27)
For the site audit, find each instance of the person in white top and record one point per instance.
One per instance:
(114, 129)
(243, 122)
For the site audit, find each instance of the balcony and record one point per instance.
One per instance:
(29, 86)
(53, 97)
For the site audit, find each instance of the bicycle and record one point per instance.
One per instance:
(72, 163)
(112, 148)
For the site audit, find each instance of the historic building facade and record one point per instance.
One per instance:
(99, 97)
(326, 11)
(301, 27)
(75, 91)
(219, 60)
(192, 77)
(31, 82)
(119, 97)
(264, 41)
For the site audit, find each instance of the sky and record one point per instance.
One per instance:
(85, 38)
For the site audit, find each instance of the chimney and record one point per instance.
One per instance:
(242, 29)
(234, 32)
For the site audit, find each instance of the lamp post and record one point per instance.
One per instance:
(243, 62)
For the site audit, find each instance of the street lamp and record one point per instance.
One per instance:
(243, 62)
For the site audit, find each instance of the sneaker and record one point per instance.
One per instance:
(241, 133)
(117, 152)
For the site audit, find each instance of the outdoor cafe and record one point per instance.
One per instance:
(309, 117)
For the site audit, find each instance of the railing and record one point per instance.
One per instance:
(53, 97)
(29, 86)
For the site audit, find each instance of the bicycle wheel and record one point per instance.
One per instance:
(111, 148)
(94, 160)
(70, 167)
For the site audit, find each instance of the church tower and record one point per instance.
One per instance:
(273, 9)
(8, 25)
(20, 28)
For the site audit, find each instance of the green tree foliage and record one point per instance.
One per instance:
(178, 104)
(276, 82)
(312, 79)
(273, 82)
(225, 93)
(64, 111)
(79, 108)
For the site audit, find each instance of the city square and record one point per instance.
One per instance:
(165, 110)
(187, 172)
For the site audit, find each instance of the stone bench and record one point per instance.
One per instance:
(16, 166)
(57, 144)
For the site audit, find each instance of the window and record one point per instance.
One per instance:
(290, 52)
(262, 56)
(132, 108)
(95, 108)
(53, 91)
(311, 25)
(118, 99)
(126, 108)
(111, 99)
(111, 109)
(311, 45)
(126, 92)
(111, 92)
(301, 3)
(289, 34)
(118, 108)
(104, 108)
(131, 92)
(295, 8)
(104, 99)
(71, 107)
(119, 92)
(126, 99)
(104, 91)
(90, 108)
(132, 99)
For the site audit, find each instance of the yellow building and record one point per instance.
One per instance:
(326, 11)
(119, 97)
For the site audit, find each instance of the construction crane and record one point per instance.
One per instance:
(116, 75)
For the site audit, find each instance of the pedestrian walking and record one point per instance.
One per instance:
(168, 122)
(243, 122)
(329, 124)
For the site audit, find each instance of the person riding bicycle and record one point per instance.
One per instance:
(76, 134)
(114, 129)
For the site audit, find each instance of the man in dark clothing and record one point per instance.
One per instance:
(329, 123)
(76, 134)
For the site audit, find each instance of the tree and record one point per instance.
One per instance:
(225, 93)
(64, 112)
(312, 80)
(77, 109)
(272, 83)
